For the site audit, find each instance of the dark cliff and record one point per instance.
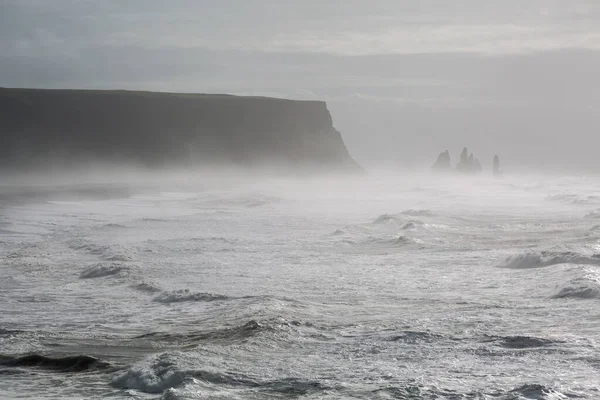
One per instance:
(159, 129)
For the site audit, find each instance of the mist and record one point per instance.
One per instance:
(403, 82)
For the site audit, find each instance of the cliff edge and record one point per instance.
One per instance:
(39, 126)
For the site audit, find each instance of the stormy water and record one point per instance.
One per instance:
(373, 287)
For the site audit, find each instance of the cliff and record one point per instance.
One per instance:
(38, 127)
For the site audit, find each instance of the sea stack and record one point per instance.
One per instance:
(468, 164)
(443, 162)
(496, 167)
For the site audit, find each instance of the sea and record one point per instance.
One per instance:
(379, 286)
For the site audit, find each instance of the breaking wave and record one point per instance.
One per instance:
(537, 392)
(546, 259)
(163, 372)
(585, 286)
(409, 225)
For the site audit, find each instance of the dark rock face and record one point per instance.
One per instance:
(38, 127)
(468, 164)
(443, 162)
(496, 167)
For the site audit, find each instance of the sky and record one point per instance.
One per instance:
(404, 79)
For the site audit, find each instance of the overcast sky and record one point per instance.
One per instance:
(404, 79)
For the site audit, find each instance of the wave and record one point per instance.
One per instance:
(384, 219)
(184, 295)
(100, 271)
(146, 287)
(274, 327)
(103, 251)
(592, 215)
(536, 391)
(411, 225)
(546, 259)
(236, 333)
(294, 387)
(396, 241)
(187, 391)
(388, 218)
(10, 332)
(402, 240)
(79, 363)
(585, 286)
(154, 375)
(521, 342)
(90, 248)
(578, 292)
(112, 226)
(162, 374)
(419, 391)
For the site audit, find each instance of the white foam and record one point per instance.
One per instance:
(188, 391)
(153, 375)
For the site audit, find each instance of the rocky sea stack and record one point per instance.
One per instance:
(468, 163)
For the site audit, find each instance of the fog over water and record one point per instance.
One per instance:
(278, 273)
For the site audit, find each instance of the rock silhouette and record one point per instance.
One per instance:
(496, 168)
(468, 163)
(443, 162)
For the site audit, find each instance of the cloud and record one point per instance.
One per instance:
(349, 27)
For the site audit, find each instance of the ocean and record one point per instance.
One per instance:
(375, 287)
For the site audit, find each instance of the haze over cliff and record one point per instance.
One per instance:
(61, 127)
